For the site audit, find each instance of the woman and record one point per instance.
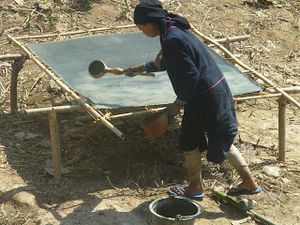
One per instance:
(209, 120)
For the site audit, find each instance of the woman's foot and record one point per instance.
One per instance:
(245, 188)
(195, 187)
(184, 192)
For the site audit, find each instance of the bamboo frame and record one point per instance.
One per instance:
(246, 67)
(98, 116)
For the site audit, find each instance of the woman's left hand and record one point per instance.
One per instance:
(174, 109)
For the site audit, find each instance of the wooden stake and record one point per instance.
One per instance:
(281, 128)
(54, 137)
(98, 116)
(16, 67)
(246, 67)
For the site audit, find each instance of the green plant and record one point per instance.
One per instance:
(51, 18)
(87, 4)
(123, 14)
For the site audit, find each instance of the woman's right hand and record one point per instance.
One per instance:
(117, 70)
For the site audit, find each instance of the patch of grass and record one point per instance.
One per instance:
(51, 18)
(9, 216)
(123, 14)
(84, 5)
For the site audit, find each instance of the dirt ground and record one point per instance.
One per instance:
(111, 181)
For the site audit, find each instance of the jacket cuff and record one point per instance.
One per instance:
(179, 102)
(150, 67)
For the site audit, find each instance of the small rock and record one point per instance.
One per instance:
(49, 168)
(25, 198)
(44, 5)
(30, 135)
(247, 204)
(20, 135)
(271, 171)
(285, 180)
(19, 2)
(296, 70)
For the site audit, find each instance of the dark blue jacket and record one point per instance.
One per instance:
(195, 74)
(190, 67)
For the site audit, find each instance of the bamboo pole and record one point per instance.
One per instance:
(58, 109)
(54, 138)
(281, 128)
(74, 32)
(233, 39)
(256, 97)
(221, 40)
(92, 111)
(10, 57)
(71, 108)
(137, 113)
(257, 217)
(246, 67)
(293, 90)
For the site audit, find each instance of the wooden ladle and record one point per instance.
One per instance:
(97, 69)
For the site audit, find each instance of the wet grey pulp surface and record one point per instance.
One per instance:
(70, 60)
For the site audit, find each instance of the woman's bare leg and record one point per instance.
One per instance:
(193, 163)
(239, 164)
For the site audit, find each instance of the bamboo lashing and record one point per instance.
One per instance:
(244, 66)
(93, 112)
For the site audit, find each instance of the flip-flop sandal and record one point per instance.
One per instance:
(236, 191)
(182, 191)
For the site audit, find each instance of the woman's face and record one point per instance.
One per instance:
(149, 29)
